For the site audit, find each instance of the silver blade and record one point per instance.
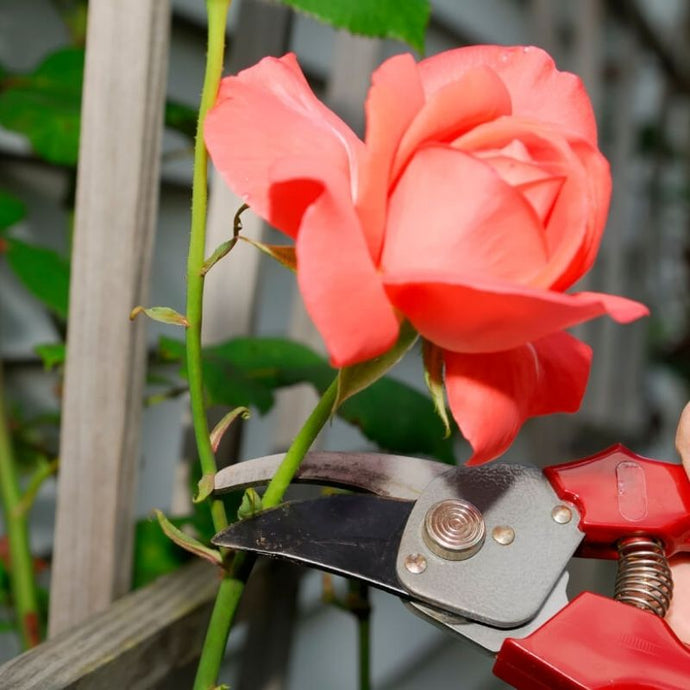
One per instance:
(378, 473)
(352, 535)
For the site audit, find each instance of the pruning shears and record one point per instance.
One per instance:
(482, 552)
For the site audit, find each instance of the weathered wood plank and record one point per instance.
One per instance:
(115, 220)
(135, 644)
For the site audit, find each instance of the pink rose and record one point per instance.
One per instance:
(477, 198)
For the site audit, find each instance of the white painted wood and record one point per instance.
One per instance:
(115, 219)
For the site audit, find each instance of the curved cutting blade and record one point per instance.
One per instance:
(378, 473)
(354, 535)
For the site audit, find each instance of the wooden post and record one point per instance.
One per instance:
(117, 195)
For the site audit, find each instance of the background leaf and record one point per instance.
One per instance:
(12, 210)
(45, 105)
(353, 379)
(52, 354)
(43, 272)
(404, 20)
(247, 371)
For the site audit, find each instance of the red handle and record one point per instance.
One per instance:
(595, 643)
(620, 494)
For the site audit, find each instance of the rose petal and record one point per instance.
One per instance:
(341, 287)
(537, 89)
(576, 222)
(492, 395)
(478, 96)
(388, 116)
(452, 214)
(264, 114)
(488, 317)
(537, 185)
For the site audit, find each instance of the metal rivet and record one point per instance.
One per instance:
(503, 534)
(454, 529)
(415, 563)
(562, 514)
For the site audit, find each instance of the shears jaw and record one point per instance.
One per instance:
(377, 473)
(487, 637)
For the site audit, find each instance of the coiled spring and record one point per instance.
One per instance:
(644, 576)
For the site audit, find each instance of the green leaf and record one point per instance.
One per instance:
(433, 375)
(393, 415)
(224, 424)
(160, 314)
(399, 419)
(284, 254)
(187, 542)
(154, 553)
(52, 354)
(45, 105)
(181, 118)
(204, 488)
(12, 210)
(357, 377)
(251, 504)
(405, 21)
(219, 252)
(43, 272)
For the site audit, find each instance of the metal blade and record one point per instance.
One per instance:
(378, 473)
(351, 535)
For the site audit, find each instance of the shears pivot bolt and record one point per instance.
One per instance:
(454, 529)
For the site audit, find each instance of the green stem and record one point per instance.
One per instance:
(217, 16)
(21, 563)
(362, 611)
(232, 585)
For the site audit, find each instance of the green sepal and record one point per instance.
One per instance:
(186, 542)
(433, 375)
(224, 424)
(357, 377)
(251, 504)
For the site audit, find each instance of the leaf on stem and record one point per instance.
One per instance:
(224, 424)
(405, 21)
(204, 488)
(357, 377)
(161, 314)
(218, 253)
(251, 504)
(186, 542)
(433, 375)
(282, 253)
(44, 470)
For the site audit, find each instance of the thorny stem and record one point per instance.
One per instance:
(232, 585)
(21, 571)
(217, 16)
